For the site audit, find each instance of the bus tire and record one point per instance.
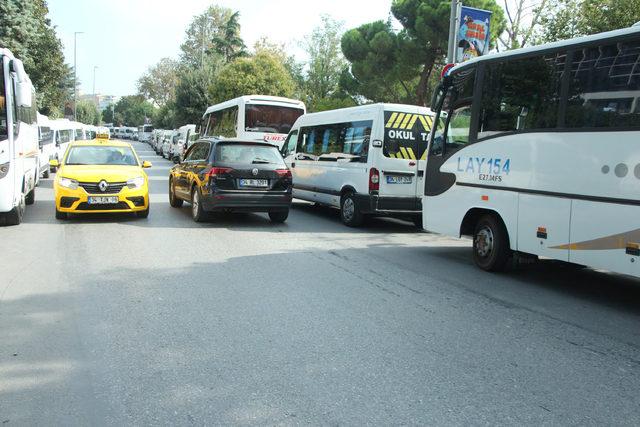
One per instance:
(349, 211)
(491, 250)
(30, 198)
(15, 215)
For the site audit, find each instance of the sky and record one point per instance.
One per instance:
(122, 38)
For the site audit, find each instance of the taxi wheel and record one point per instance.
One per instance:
(350, 212)
(197, 213)
(143, 214)
(61, 215)
(174, 202)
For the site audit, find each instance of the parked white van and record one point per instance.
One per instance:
(364, 160)
(63, 135)
(186, 136)
(47, 146)
(18, 139)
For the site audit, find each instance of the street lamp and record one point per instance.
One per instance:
(75, 73)
(95, 67)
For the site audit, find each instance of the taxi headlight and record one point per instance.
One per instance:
(136, 182)
(68, 183)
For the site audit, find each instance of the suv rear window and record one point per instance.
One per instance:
(406, 135)
(248, 153)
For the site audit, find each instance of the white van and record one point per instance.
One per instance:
(186, 136)
(47, 146)
(63, 135)
(18, 139)
(364, 160)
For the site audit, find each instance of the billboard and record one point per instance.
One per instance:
(473, 34)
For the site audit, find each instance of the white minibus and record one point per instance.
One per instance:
(63, 135)
(252, 118)
(47, 146)
(19, 172)
(363, 160)
(144, 133)
(537, 158)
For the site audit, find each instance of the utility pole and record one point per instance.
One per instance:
(204, 36)
(75, 73)
(95, 67)
(453, 30)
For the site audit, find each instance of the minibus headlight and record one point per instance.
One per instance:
(69, 183)
(4, 169)
(136, 182)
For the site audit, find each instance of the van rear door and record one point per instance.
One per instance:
(403, 152)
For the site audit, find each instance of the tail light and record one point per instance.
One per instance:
(374, 180)
(216, 172)
(283, 173)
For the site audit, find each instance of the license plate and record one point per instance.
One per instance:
(102, 200)
(254, 183)
(398, 179)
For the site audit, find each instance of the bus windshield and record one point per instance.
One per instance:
(270, 118)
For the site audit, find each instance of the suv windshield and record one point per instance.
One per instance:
(251, 154)
(101, 155)
(270, 118)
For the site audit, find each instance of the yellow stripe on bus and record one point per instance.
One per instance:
(400, 117)
(412, 155)
(424, 155)
(406, 121)
(391, 119)
(430, 120)
(404, 153)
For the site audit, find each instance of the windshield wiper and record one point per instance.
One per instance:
(259, 160)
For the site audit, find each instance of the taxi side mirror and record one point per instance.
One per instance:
(54, 163)
(146, 164)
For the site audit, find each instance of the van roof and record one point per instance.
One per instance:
(373, 107)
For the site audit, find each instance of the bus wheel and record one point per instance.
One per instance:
(30, 198)
(14, 216)
(491, 244)
(349, 211)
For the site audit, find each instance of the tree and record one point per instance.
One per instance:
(564, 19)
(228, 41)
(87, 113)
(523, 17)
(165, 117)
(260, 74)
(132, 110)
(200, 34)
(28, 33)
(326, 62)
(159, 82)
(193, 93)
(279, 50)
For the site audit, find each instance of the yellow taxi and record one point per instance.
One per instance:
(101, 176)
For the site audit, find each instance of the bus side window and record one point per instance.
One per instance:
(458, 129)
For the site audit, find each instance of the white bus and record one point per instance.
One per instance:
(63, 135)
(253, 118)
(144, 133)
(363, 160)
(531, 162)
(19, 172)
(47, 146)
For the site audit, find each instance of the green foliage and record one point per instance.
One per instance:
(332, 103)
(165, 117)
(159, 82)
(192, 94)
(202, 30)
(28, 33)
(326, 62)
(228, 42)
(87, 113)
(107, 114)
(565, 19)
(261, 74)
(132, 110)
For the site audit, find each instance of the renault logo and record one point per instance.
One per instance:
(254, 172)
(103, 185)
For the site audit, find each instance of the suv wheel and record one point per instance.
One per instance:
(174, 202)
(279, 216)
(197, 213)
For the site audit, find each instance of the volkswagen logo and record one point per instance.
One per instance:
(254, 172)
(103, 185)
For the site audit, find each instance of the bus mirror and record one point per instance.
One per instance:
(376, 143)
(23, 94)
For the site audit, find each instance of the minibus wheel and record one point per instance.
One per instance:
(349, 211)
(491, 244)
(15, 215)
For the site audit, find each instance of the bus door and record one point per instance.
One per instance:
(403, 157)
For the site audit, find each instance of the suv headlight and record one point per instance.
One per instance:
(68, 183)
(136, 182)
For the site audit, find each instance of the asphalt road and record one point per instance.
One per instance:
(116, 320)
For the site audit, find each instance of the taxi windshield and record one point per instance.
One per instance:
(101, 155)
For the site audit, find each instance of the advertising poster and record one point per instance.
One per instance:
(473, 35)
